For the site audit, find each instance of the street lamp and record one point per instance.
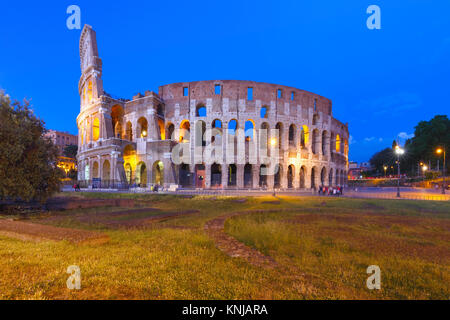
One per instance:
(385, 168)
(439, 151)
(424, 168)
(399, 151)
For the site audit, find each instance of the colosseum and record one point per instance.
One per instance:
(132, 142)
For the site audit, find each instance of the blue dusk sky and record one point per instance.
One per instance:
(382, 82)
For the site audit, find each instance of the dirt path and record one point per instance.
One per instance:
(231, 246)
(38, 232)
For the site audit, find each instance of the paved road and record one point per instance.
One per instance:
(367, 192)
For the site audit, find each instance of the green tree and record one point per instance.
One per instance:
(28, 161)
(382, 158)
(428, 135)
(70, 151)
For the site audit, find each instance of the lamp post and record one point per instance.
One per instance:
(385, 168)
(424, 168)
(399, 151)
(439, 151)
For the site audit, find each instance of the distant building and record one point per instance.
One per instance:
(61, 139)
(355, 171)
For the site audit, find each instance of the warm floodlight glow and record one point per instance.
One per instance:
(273, 141)
(399, 150)
(144, 134)
(425, 168)
(439, 151)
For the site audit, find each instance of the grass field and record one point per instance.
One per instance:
(322, 248)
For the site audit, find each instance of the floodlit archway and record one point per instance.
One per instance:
(106, 171)
(142, 127)
(129, 131)
(277, 176)
(338, 143)
(185, 131)
(141, 174)
(158, 173)
(117, 119)
(96, 129)
(170, 131)
(304, 136)
(128, 173)
(95, 171)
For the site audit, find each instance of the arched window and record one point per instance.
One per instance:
(338, 143)
(117, 118)
(96, 129)
(249, 129)
(143, 127)
(304, 136)
(279, 127)
(170, 131)
(89, 93)
(185, 130)
(264, 112)
(292, 137)
(200, 111)
(129, 131)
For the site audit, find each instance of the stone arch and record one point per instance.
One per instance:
(263, 175)
(330, 177)
(200, 110)
(232, 175)
(279, 127)
(248, 175)
(141, 174)
(184, 174)
(95, 170)
(315, 120)
(292, 135)
(338, 143)
(216, 127)
(117, 119)
(158, 172)
(216, 175)
(129, 131)
(170, 131)
(96, 129)
(314, 177)
(128, 173)
(323, 176)
(315, 141)
(325, 142)
(185, 131)
(290, 176)
(302, 177)
(106, 171)
(142, 127)
(304, 136)
(249, 129)
(264, 112)
(277, 176)
(161, 129)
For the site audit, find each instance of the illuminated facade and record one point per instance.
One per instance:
(131, 141)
